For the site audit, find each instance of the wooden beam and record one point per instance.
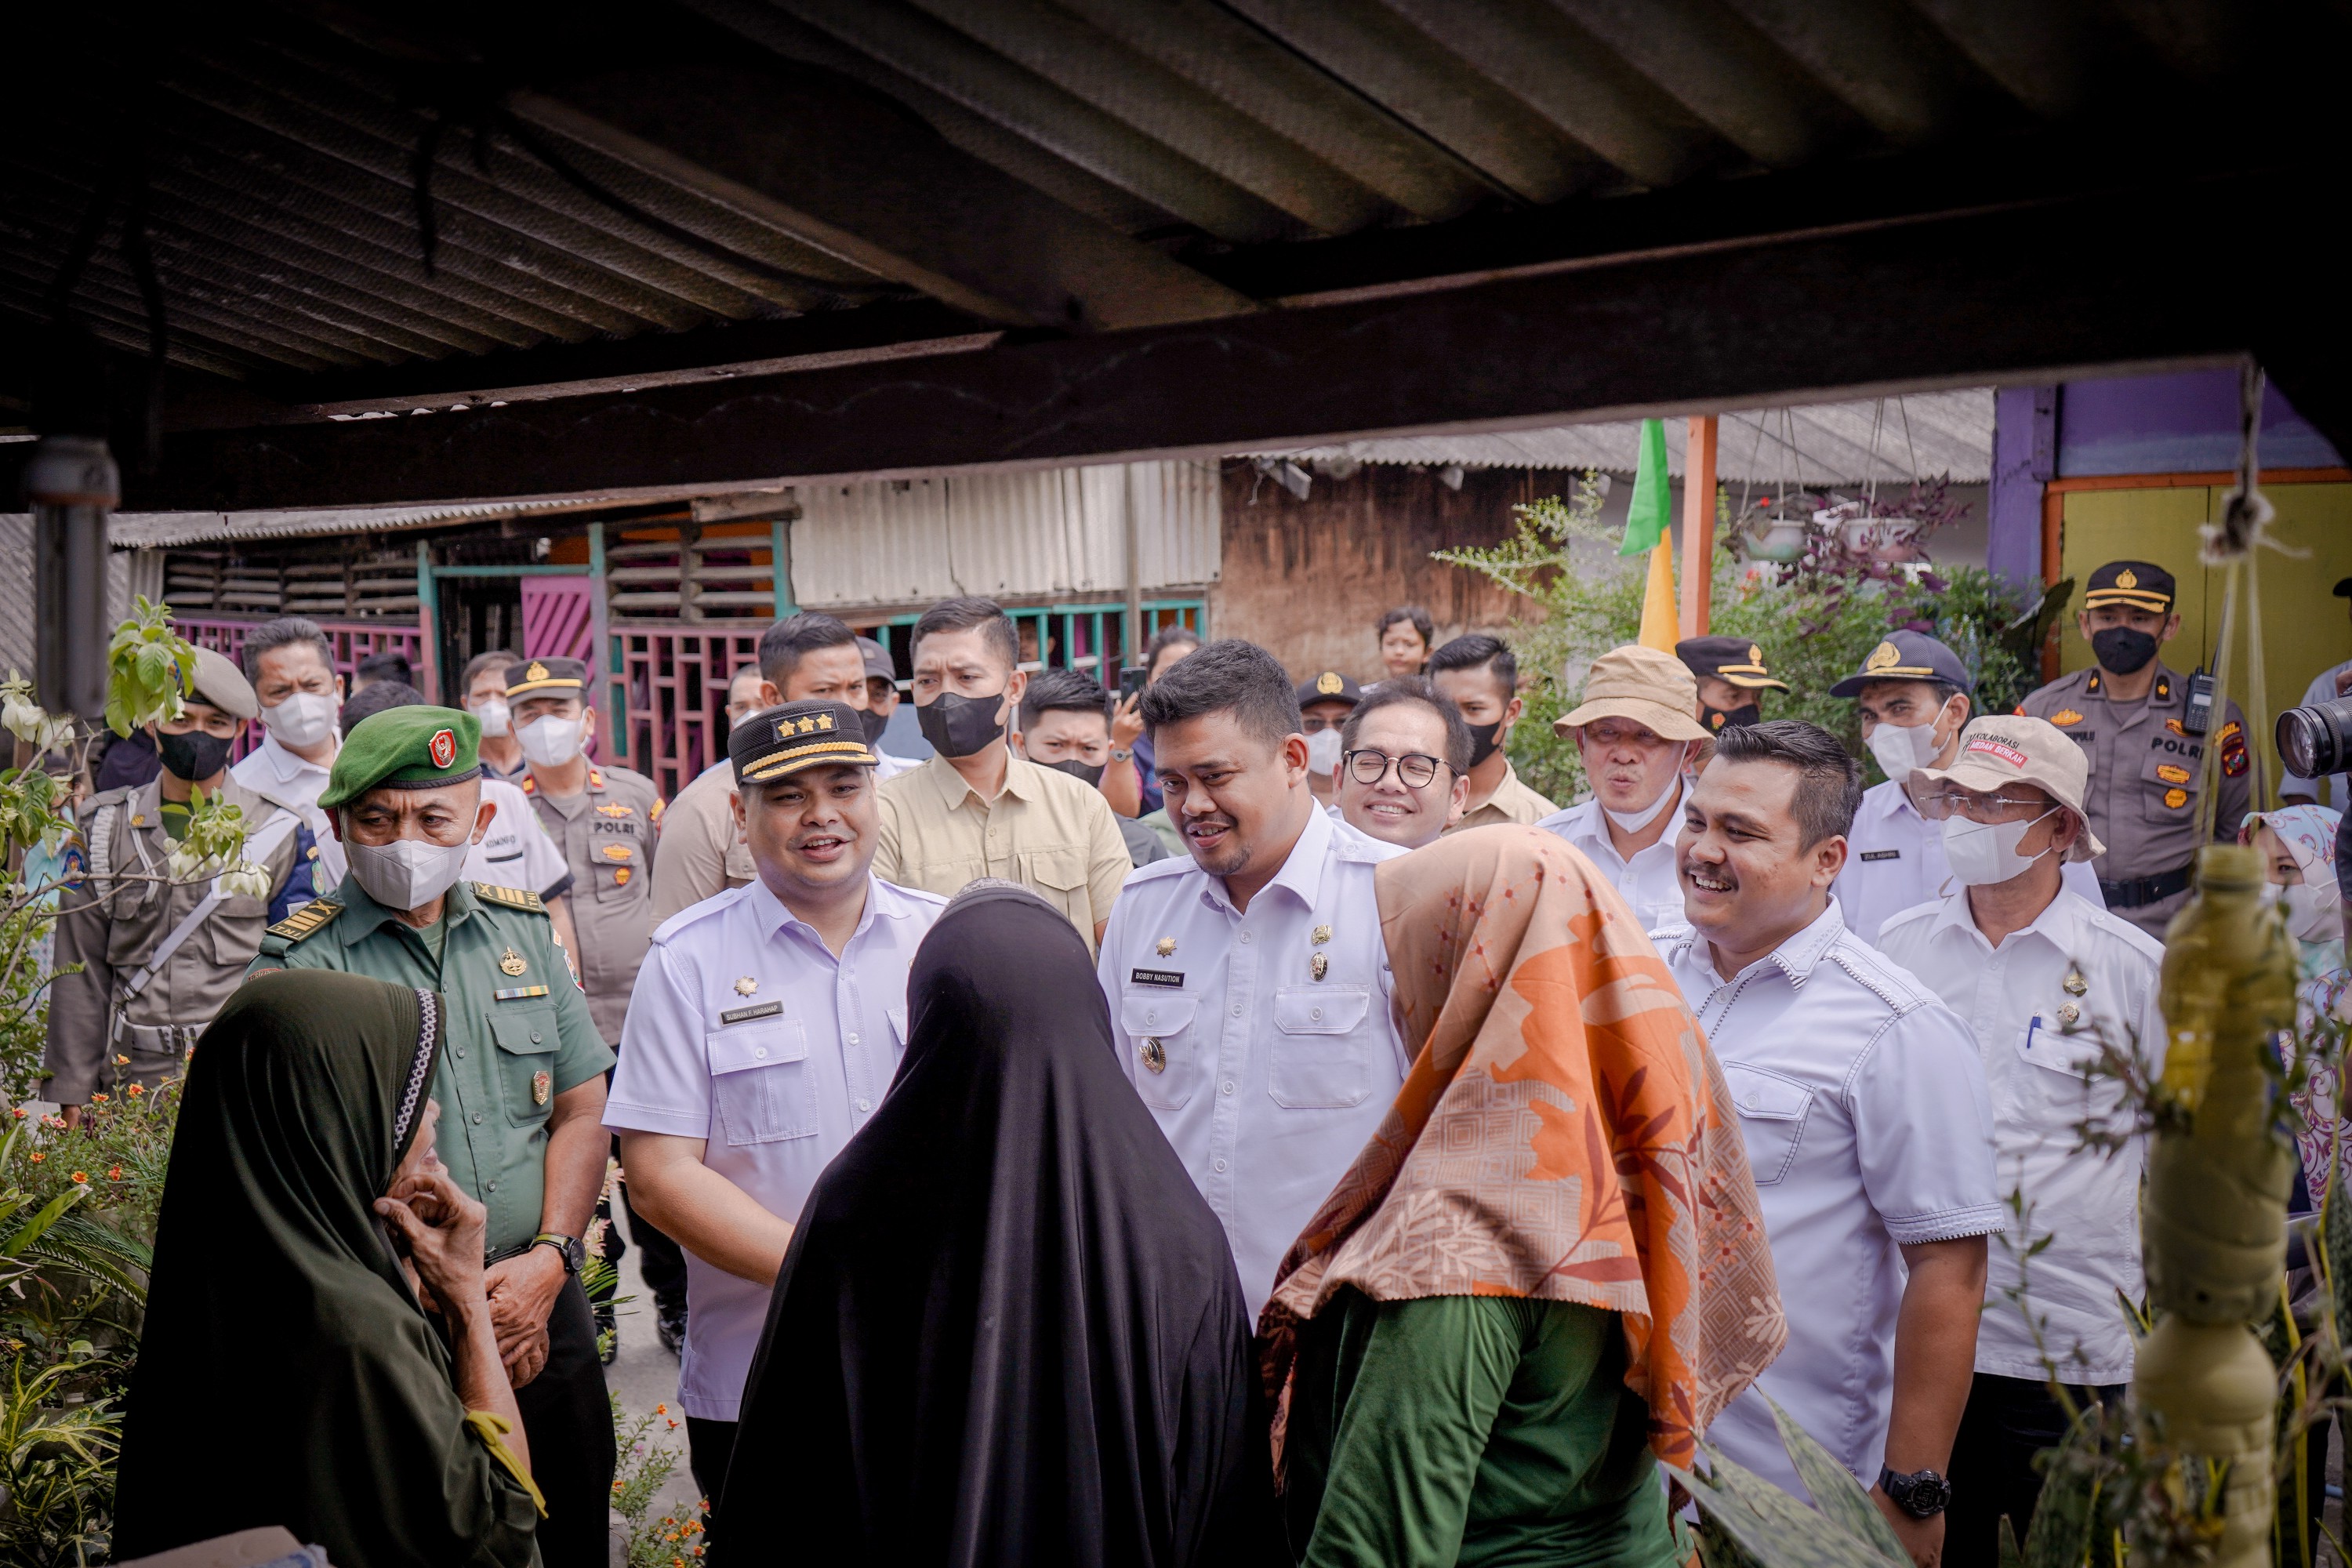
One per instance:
(1698, 525)
(1962, 300)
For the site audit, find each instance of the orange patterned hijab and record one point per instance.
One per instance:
(1564, 1134)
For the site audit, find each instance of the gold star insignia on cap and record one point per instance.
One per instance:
(824, 720)
(745, 986)
(1322, 934)
(1165, 947)
(537, 671)
(1328, 683)
(806, 726)
(1884, 656)
(512, 962)
(2127, 578)
(2074, 983)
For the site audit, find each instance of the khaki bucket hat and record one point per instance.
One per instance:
(2007, 749)
(1650, 687)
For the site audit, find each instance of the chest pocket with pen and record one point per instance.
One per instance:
(760, 1078)
(1322, 1046)
(1772, 1111)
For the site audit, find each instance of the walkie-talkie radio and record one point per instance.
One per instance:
(2197, 717)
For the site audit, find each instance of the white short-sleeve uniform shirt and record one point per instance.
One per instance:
(1894, 861)
(1267, 1074)
(1868, 1129)
(745, 1031)
(2038, 1006)
(1650, 881)
(515, 850)
(278, 776)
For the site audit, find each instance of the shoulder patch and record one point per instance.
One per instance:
(2019, 713)
(307, 921)
(513, 898)
(653, 811)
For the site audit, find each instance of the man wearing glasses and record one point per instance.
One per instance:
(1635, 731)
(2043, 978)
(1404, 765)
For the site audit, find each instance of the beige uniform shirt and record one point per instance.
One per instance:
(110, 926)
(608, 834)
(1511, 802)
(702, 854)
(1046, 831)
(2145, 773)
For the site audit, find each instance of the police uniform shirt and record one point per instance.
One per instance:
(748, 1033)
(1864, 1108)
(1651, 881)
(2146, 772)
(515, 1025)
(112, 926)
(1262, 1041)
(607, 835)
(2039, 1005)
(515, 851)
(1894, 861)
(703, 853)
(1512, 801)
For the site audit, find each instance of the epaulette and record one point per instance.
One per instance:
(307, 921)
(513, 898)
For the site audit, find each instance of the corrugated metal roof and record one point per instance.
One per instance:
(1923, 435)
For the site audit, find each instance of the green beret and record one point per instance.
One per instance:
(413, 747)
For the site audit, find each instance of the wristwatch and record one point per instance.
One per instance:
(1119, 756)
(1922, 1494)
(571, 1249)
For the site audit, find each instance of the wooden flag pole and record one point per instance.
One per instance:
(1698, 526)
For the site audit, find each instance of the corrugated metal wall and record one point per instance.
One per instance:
(1058, 532)
(18, 613)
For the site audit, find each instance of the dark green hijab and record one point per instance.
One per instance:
(286, 1374)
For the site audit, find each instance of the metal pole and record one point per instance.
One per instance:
(428, 620)
(779, 563)
(71, 484)
(1132, 640)
(612, 719)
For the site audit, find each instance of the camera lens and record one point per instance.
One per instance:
(2314, 741)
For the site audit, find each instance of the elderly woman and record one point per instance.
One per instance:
(289, 1373)
(1546, 1269)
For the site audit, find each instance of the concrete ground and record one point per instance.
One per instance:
(645, 1374)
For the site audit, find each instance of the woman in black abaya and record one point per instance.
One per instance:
(1008, 1330)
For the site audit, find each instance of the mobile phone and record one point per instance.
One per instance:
(1131, 680)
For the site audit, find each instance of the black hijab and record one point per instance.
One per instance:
(1007, 1330)
(285, 1374)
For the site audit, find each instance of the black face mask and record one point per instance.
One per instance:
(2121, 650)
(195, 756)
(1719, 719)
(1084, 772)
(957, 726)
(1484, 739)
(874, 724)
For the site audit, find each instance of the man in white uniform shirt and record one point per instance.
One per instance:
(1913, 694)
(1248, 983)
(2041, 978)
(1867, 1125)
(1635, 731)
(292, 667)
(765, 1027)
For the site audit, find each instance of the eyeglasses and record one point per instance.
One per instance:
(1413, 769)
(1641, 737)
(1950, 803)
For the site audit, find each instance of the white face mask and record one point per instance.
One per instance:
(305, 719)
(1634, 821)
(1984, 853)
(551, 742)
(495, 714)
(1323, 749)
(407, 872)
(1900, 748)
(2313, 912)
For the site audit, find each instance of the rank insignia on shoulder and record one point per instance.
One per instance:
(310, 918)
(518, 993)
(2065, 716)
(653, 811)
(511, 898)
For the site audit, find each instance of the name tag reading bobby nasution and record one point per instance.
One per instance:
(745, 1014)
(1173, 979)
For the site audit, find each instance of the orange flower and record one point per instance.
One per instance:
(114, 1173)
(19, 1113)
(616, 1486)
(37, 1158)
(97, 1098)
(122, 1061)
(135, 1090)
(661, 1409)
(82, 1175)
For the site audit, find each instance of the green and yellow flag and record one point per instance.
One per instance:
(1645, 529)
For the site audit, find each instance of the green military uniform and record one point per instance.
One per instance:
(516, 1034)
(2144, 798)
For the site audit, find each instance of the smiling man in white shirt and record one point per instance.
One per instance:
(1635, 731)
(1867, 1125)
(1248, 983)
(2042, 977)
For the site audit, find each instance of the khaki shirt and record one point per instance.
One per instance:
(515, 1029)
(1046, 831)
(111, 925)
(608, 834)
(1511, 802)
(2146, 772)
(702, 854)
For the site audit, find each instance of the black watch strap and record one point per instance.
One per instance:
(1922, 1494)
(574, 1251)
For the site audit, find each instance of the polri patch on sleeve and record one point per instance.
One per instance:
(1881, 854)
(1173, 979)
(745, 1014)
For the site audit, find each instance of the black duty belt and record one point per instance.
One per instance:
(2133, 891)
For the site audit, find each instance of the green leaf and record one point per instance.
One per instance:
(2060, 1535)
(1835, 1491)
(31, 1231)
(2009, 1555)
(1769, 1525)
